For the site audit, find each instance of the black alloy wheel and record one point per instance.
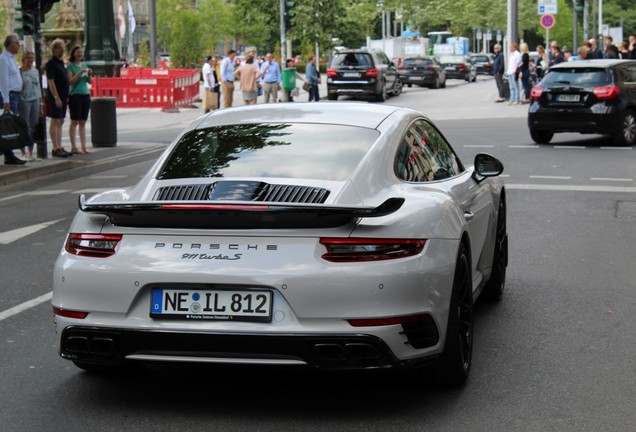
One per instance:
(453, 366)
(397, 87)
(495, 286)
(541, 137)
(626, 133)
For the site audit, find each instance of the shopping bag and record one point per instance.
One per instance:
(14, 132)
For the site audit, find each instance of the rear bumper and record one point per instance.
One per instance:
(114, 346)
(457, 74)
(598, 121)
(348, 88)
(417, 79)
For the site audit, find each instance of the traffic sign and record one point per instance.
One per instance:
(547, 7)
(547, 21)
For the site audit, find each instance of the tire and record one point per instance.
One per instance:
(625, 135)
(435, 84)
(475, 78)
(541, 137)
(397, 87)
(453, 366)
(332, 96)
(381, 97)
(444, 83)
(409, 85)
(495, 286)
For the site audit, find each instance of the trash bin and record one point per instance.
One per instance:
(289, 78)
(104, 121)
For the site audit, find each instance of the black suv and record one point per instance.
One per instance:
(589, 96)
(362, 73)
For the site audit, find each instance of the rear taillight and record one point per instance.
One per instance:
(332, 73)
(460, 66)
(606, 92)
(69, 313)
(362, 249)
(402, 68)
(536, 92)
(375, 322)
(371, 73)
(431, 68)
(92, 245)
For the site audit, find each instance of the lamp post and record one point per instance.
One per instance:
(102, 53)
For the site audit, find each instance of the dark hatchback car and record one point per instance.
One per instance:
(483, 63)
(589, 97)
(459, 67)
(364, 74)
(423, 71)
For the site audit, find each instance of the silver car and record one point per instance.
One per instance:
(331, 235)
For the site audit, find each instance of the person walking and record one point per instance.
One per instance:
(31, 105)
(514, 61)
(313, 78)
(79, 99)
(210, 97)
(10, 87)
(289, 64)
(498, 71)
(249, 74)
(524, 72)
(58, 87)
(271, 76)
(227, 79)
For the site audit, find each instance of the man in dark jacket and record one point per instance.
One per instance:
(498, 72)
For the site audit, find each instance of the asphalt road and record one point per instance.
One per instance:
(556, 354)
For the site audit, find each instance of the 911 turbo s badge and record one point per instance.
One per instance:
(211, 257)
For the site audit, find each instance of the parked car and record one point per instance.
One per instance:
(590, 96)
(364, 74)
(483, 63)
(297, 235)
(459, 67)
(423, 71)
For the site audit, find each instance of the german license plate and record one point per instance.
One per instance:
(568, 98)
(351, 75)
(208, 305)
(414, 77)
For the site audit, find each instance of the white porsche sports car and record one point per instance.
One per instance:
(329, 235)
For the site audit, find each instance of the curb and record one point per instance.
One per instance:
(21, 173)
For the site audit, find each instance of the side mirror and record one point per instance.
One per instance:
(487, 165)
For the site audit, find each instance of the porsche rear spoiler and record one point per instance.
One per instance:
(234, 216)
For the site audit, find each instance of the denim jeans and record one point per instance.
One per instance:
(14, 102)
(514, 88)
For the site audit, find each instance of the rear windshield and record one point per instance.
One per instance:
(418, 62)
(352, 59)
(310, 151)
(578, 76)
(481, 59)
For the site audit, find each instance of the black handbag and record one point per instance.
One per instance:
(14, 132)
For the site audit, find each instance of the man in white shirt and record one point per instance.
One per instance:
(514, 61)
(227, 79)
(271, 77)
(209, 97)
(10, 86)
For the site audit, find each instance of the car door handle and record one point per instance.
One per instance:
(468, 215)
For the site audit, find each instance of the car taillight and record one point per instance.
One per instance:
(331, 73)
(371, 73)
(374, 322)
(92, 245)
(69, 313)
(488, 64)
(536, 92)
(461, 66)
(606, 92)
(431, 68)
(363, 249)
(402, 68)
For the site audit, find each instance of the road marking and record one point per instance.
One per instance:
(524, 146)
(570, 188)
(616, 148)
(106, 177)
(611, 179)
(478, 146)
(92, 191)
(570, 147)
(16, 234)
(36, 193)
(26, 306)
(550, 177)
